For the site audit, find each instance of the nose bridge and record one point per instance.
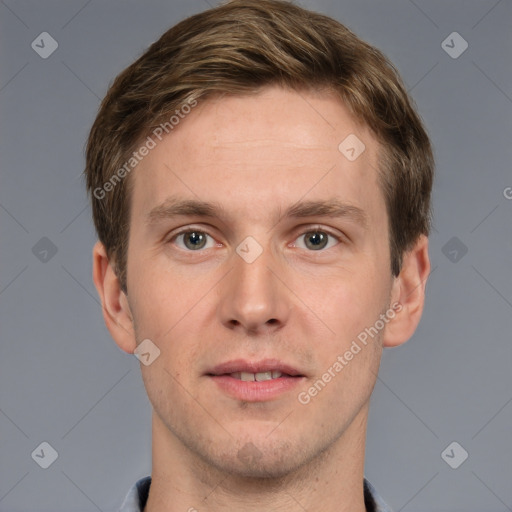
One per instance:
(253, 299)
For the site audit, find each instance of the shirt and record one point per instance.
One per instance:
(137, 497)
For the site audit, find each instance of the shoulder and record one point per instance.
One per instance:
(373, 500)
(137, 496)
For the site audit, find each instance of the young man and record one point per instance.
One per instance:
(260, 185)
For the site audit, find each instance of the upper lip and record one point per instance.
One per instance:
(242, 365)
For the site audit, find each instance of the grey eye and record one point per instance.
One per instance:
(193, 240)
(316, 240)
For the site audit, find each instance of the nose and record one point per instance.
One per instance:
(253, 299)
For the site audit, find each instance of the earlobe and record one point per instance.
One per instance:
(409, 292)
(116, 310)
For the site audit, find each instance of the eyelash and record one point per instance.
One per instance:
(319, 229)
(312, 229)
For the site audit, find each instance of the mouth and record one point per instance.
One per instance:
(256, 371)
(257, 377)
(255, 381)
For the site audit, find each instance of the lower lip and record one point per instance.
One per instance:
(255, 391)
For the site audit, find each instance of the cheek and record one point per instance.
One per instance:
(158, 298)
(347, 302)
(168, 310)
(352, 353)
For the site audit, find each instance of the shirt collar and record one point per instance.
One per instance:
(137, 497)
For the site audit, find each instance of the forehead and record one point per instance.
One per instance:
(254, 153)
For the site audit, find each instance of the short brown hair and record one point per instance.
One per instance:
(238, 48)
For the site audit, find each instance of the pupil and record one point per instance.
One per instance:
(195, 240)
(316, 240)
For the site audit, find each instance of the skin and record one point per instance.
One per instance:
(256, 156)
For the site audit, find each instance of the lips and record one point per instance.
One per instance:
(261, 370)
(256, 381)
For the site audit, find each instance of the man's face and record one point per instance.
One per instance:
(296, 293)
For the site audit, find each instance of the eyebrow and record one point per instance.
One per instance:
(329, 208)
(173, 207)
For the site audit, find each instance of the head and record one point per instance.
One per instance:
(232, 125)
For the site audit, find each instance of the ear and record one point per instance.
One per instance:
(408, 294)
(116, 310)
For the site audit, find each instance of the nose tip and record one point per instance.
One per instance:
(253, 300)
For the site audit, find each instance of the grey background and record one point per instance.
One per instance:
(64, 381)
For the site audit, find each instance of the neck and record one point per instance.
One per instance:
(331, 482)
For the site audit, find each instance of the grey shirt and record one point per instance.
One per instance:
(137, 497)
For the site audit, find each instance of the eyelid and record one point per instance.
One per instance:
(170, 238)
(304, 229)
(336, 241)
(340, 237)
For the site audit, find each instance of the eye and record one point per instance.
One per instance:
(193, 240)
(316, 240)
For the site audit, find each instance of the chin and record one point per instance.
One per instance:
(261, 460)
(266, 469)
